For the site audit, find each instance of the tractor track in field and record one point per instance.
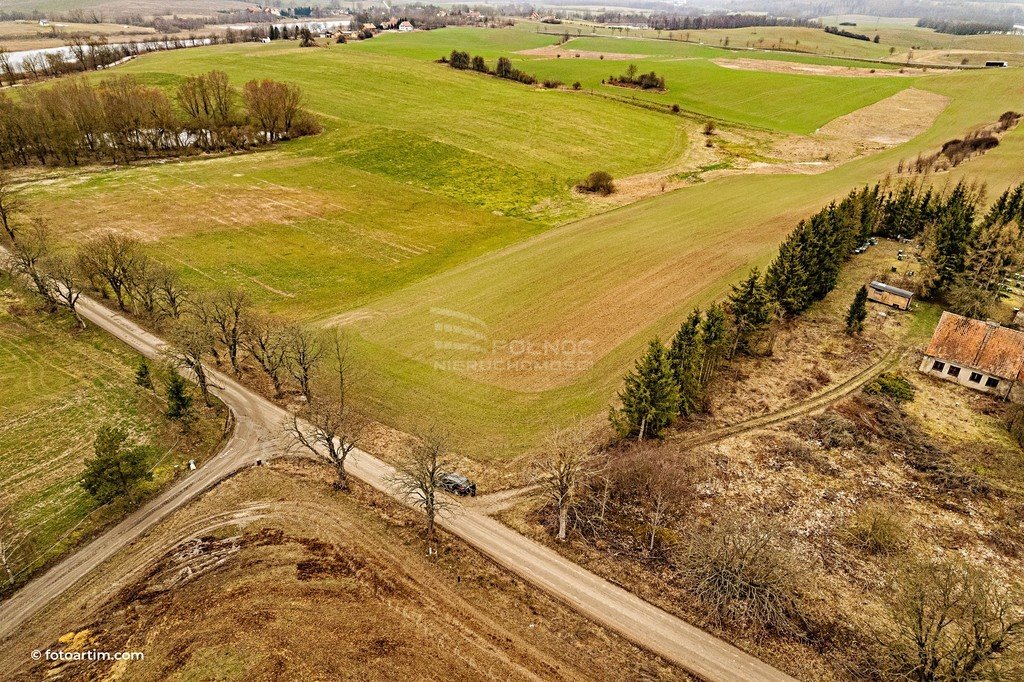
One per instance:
(818, 401)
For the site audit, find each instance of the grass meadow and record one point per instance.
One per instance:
(58, 386)
(434, 217)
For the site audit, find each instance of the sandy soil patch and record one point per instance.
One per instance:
(894, 120)
(772, 66)
(556, 51)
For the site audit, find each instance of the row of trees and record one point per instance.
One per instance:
(633, 79)
(460, 60)
(966, 260)
(121, 119)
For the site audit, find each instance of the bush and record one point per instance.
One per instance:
(598, 182)
(459, 60)
(832, 429)
(305, 123)
(552, 84)
(742, 576)
(892, 385)
(577, 85)
(875, 530)
(479, 64)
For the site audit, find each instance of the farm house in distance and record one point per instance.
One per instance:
(879, 292)
(980, 355)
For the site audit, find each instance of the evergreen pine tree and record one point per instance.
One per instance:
(650, 397)
(179, 402)
(751, 309)
(117, 469)
(142, 375)
(858, 312)
(786, 279)
(685, 358)
(714, 335)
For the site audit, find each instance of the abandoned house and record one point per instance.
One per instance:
(981, 355)
(888, 295)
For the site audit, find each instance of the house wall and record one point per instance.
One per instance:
(1005, 385)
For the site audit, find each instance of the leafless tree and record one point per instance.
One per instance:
(305, 349)
(266, 340)
(225, 312)
(10, 203)
(171, 292)
(144, 285)
(950, 621)
(418, 479)
(66, 283)
(665, 488)
(562, 470)
(110, 258)
(30, 253)
(191, 343)
(329, 426)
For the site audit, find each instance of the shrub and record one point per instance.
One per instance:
(459, 60)
(892, 385)
(598, 182)
(479, 64)
(675, 108)
(875, 530)
(577, 85)
(742, 576)
(305, 123)
(709, 128)
(552, 84)
(832, 429)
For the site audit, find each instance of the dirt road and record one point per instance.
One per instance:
(259, 425)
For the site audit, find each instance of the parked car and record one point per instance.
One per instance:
(458, 484)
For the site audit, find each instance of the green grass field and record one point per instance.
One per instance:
(59, 385)
(434, 217)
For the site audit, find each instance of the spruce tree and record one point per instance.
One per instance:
(714, 335)
(686, 358)
(117, 468)
(751, 309)
(179, 402)
(142, 375)
(786, 278)
(858, 312)
(650, 397)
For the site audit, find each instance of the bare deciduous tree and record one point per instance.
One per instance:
(950, 621)
(110, 259)
(172, 294)
(30, 253)
(225, 312)
(562, 471)
(305, 349)
(10, 203)
(144, 285)
(266, 340)
(66, 283)
(418, 478)
(191, 343)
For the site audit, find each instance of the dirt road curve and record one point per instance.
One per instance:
(259, 424)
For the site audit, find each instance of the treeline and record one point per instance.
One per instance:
(966, 261)
(686, 22)
(121, 120)
(221, 327)
(964, 28)
(846, 34)
(85, 55)
(461, 60)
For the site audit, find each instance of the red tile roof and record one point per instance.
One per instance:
(983, 346)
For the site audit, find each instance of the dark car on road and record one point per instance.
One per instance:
(458, 484)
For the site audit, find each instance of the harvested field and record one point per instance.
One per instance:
(799, 68)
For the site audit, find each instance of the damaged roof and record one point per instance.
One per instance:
(983, 346)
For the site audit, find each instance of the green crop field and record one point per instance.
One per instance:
(434, 217)
(58, 386)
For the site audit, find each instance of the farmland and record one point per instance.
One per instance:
(55, 377)
(439, 200)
